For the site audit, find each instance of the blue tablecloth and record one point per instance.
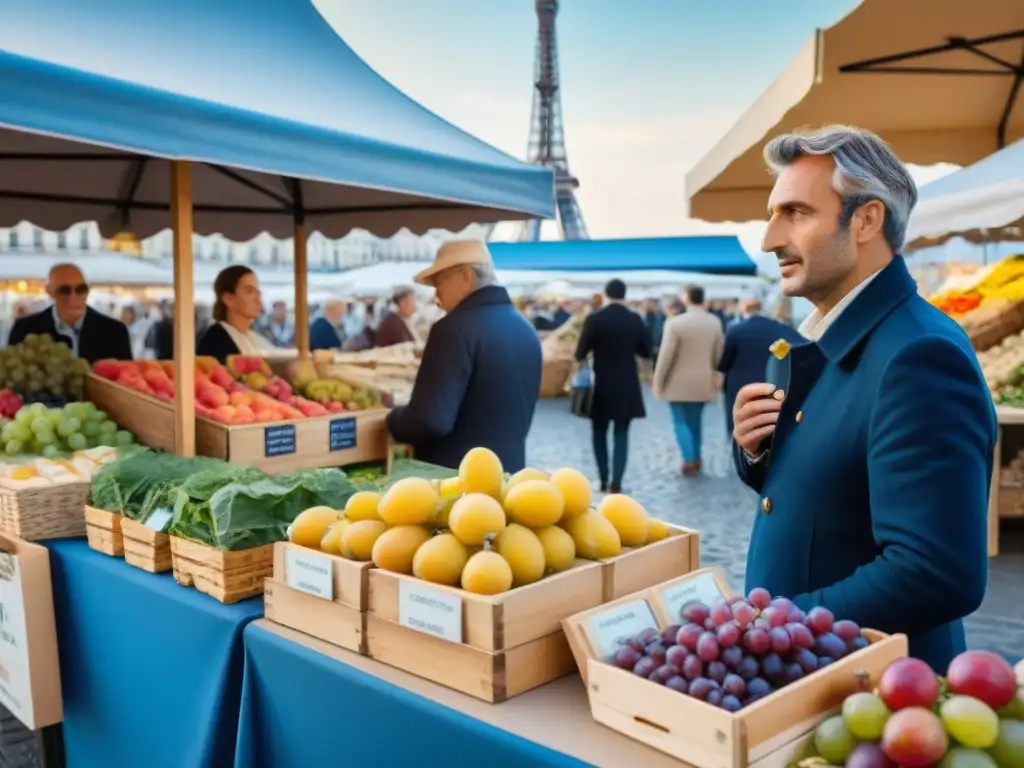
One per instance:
(303, 708)
(151, 671)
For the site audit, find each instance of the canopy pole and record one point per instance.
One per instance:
(301, 292)
(184, 311)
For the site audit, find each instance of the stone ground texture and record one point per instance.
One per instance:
(722, 508)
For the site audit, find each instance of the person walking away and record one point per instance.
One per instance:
(91, 335)
(686, 374)
(324, 332)
(479, 377)
(398, 327)
(745, 354)
(615, 336)
(872, 454)
(654, 317)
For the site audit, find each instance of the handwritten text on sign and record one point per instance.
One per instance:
(702, 587)
(609, 628)
(343, 434)
(279, 440)
(430, 611)
(309, 572)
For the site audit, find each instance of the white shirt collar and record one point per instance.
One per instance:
(814, 326)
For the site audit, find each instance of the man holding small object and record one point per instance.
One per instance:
(871, 446)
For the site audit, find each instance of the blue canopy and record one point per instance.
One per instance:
(92, 90)
(1005, 165)
(713, 254)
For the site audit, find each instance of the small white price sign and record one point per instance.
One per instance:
(159, 519)
(430, 611)
(703, 587)
(608, 629)
(309, 572)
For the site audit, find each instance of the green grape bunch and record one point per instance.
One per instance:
(52, 432)
(40, 366)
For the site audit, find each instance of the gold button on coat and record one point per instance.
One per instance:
(799, 416)
(766, 505)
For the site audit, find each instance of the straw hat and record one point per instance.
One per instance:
(455, 253)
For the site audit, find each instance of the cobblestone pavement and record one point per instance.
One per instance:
(721, 507)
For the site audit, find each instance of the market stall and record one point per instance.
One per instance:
(89, 140)
(929, 78)
(989, 304)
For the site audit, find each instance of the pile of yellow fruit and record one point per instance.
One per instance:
(479, 530)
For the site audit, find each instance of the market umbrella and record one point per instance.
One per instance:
(938, 79)
(984, 201)
(231, 117)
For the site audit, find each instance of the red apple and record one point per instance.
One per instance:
(914, 738)
(908, 683)
(984, 675)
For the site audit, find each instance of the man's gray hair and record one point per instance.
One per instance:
(866, 169)
(485, 275)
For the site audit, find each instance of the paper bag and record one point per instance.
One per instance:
(29, 666)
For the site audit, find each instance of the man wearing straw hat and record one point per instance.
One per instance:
(479, 377)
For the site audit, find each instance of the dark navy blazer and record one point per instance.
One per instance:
(477, 385)
(874, 495)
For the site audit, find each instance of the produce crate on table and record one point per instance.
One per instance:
(40, 508)
(227, 576)
(103, 531)
(287, 446)
(323, 595)
(491, 647)
(991, 330)
(767, 733)
(145, 546)
(641, 567)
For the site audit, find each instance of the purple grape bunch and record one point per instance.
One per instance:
(739, 650)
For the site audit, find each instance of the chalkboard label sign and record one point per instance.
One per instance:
(343, 434)
(279, 440)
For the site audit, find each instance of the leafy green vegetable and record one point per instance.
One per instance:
(246, 511)
(123, 485)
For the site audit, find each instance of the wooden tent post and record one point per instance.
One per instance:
(301, 292)
(184, 311)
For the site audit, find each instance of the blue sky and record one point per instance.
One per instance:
(647, 85)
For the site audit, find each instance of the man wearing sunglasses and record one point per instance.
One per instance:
(90, 334)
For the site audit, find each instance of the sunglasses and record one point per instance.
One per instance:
(78, 290)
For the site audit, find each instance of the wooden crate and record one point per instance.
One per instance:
(287, 446)
(641, 567)
(149, 419)
(764, 734)
(40, 509)
(491, 622)
(103, 531)
(224, 576)
(492, 677)
(145, 547)
(346, 582)
(330, 621)
(320, 594)
(491, 647)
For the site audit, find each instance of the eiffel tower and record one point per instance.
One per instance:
(547, 137)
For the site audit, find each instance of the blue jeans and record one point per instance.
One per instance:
(686, 420)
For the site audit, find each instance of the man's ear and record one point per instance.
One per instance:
(870, 219)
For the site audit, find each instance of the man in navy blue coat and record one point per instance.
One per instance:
(872, 451)
(479, 378)
(745, 353)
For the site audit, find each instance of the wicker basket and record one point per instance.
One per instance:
(45, 512)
